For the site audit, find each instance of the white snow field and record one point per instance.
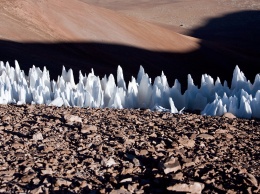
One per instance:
(212, 98)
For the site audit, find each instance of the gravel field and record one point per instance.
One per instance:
(81, 150)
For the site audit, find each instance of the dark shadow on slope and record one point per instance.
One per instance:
(224, 45)
(105, 58)
(236, 30)
(237, 34)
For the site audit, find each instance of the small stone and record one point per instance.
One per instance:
(221, 131)
(120, 191)
(70, 119)
(36, 181)
(37, 136)
(251, 180)
(48, 149)
(164, 116)
(17, 145)
(88, 129)
(185, 141)
(229, 115)
(132, 187)
(188, 164)
(178, 176)
(205, 136)
(143, 152)
(203, 130)
(229, 136)
(46, 129)
(6, 118)
(47, 171)
(127, 171)
(126, 180)
(136, 162)
(60, 182)
(38, 190)
(108, 163)
(83, 184)
(172, 165)
(153, 135)
(195, 187)
(27, 178)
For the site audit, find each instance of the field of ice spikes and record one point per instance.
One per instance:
(211, 98)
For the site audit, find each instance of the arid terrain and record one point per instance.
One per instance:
(78, 150)
(180, 16)
(81, 150)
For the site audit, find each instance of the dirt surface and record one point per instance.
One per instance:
(75, 21)
(72, 150)
(180, 16)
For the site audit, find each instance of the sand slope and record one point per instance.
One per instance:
(181, 16)
(76, 21)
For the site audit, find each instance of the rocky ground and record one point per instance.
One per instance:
(72, 150)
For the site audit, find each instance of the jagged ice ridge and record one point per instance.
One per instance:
(212, 98)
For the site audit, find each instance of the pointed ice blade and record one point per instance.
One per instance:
(120, 78)
(173, 108)
(140, 75)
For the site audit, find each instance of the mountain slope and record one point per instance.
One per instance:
(73, 20)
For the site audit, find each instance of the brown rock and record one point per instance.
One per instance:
(221, 131)
(229, 115)
(195, 187)
(70, 119)
(203, 130)
(108, 163)
(178, 176)
(119, 191)
(3, 190)
(28, 178)
(126, 180)
(250, 180)
(83, 184)
(136, 162)
(38, 190)
(36, 181)
(48, 149)
(6, 118)
(37, 136)
(185, 141)
(60, 182)
(188, 164)
(153, 135)
(205, 136)
(229, 136)
(46, 129)
(171, 165)
(132, 187)
(47, 171)
(17, 145)
(143, 152)
(127, 171)
(88, 129)
(7, 178)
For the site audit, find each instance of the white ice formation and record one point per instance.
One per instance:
(212, 98)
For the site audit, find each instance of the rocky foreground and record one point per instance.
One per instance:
(72, 150)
